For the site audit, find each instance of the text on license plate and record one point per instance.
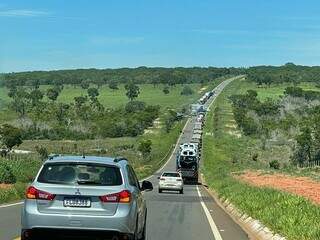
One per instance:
(77, 202)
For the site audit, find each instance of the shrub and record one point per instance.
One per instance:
(10, 136)
(274, 164)
(6, 174)
(186, 91)
(255, 157)
(135, 106)
(166, 90)
(145, 147)
(43, 152)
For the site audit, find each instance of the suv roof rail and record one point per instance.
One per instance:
(118, 159)
(52, 156)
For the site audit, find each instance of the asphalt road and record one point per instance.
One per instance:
(171, 216)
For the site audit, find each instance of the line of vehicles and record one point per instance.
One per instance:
(78, 195)
(206, 97)
(189, 153)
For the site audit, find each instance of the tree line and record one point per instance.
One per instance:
(262, 75)
(288, 73)
(100, 77)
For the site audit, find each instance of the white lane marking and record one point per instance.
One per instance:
(11, 205)
(213, 226)
(173, 152)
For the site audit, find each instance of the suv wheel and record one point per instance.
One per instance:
(181, 191)
(160, 191)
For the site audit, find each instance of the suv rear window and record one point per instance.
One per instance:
(170, 175)
(80, 173)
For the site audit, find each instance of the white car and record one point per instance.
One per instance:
(171, 181)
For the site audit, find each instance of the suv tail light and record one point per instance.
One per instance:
(33, 193)
(179, 179)
(121, 197)
(162, 179)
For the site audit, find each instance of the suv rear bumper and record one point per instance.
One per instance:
(123, 221)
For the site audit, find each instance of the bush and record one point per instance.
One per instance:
(6, 174)
(166, 90)
(255, 157)
(145, 147)
(274, 164)
(135, 106)
(186, 91)
(43, 152)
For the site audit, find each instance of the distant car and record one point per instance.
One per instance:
(171, 181)
(75, 196)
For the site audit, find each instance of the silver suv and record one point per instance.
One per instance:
(82, 196)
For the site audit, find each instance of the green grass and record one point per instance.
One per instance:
(274, 91)
(116, 98)
(223, 153)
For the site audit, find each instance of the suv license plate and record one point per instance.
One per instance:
(77, 202)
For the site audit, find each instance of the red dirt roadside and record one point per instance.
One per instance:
(302, 186)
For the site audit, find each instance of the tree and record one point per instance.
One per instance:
(113, 85)
(20, 100)
(43, 152)
(61, 112)
(145, 147)
(79, 101)
(12, 91)
(35, 84)
(133, 90)
(99, 82)
(186, 90)
(170, 118)
(10, 137)
(305, 143)
(166, 90)
(52, 94)
(135, 106)
(58, 87)
(93, 93)
(35, 96)
(85, 84)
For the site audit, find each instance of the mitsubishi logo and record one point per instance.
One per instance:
(78, 192)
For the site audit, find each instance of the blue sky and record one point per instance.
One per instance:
(64, 34)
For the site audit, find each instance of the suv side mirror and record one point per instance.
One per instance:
(146, 186)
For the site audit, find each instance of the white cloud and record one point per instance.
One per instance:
(22, 13)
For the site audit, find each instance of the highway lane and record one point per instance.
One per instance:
(173, 216)
(170, 215)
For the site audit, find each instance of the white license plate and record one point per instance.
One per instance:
(77, 202)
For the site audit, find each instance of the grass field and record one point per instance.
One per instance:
(274, 91)
(226, 153)
(116, 98)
